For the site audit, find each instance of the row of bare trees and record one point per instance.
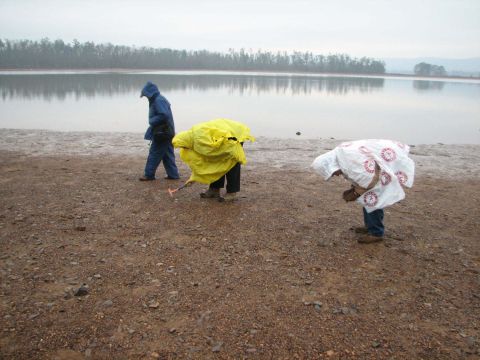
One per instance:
(47, 54)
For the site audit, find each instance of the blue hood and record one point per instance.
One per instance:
(149, 90)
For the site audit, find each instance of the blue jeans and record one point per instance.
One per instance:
(161, 151)
(374, 222)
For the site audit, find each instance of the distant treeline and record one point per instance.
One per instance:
(46, 54)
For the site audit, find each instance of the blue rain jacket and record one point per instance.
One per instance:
(159, 109)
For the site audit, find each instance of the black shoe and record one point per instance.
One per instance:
(171, 178)
(144, 178)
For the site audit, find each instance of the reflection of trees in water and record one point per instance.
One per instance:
(428, 85)
(61, 86)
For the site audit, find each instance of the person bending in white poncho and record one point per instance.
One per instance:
(378, 170)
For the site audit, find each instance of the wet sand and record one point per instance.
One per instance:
(278, 274)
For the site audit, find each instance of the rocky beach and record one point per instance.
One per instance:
(95, 264)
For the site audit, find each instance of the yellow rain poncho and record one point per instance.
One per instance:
(212, 148)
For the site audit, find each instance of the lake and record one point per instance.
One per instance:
(415, 111)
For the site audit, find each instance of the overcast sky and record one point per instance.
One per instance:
(376, 28)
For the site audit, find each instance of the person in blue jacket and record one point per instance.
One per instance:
(160, 119)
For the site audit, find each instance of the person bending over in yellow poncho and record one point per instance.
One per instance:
(214, 150)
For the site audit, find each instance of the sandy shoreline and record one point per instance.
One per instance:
(445, 160)
(276, 275)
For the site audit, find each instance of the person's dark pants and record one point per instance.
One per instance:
(161, 151)
(374, 222)
(233, 180)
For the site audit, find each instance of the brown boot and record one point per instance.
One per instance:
(210, 194)
(359, 229)
(229, 197)
(369, 239)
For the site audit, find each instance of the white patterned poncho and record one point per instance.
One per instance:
(356, 160)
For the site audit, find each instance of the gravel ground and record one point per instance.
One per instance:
(95, 264)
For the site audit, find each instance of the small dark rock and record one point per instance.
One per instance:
(81, 291)
(342, 310)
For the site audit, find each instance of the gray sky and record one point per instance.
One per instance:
(376, 28)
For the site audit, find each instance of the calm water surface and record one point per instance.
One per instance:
(274, 105)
